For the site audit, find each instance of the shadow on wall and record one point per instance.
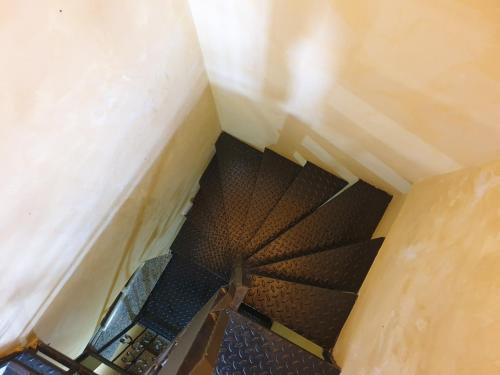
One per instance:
(282, 35)
(142, 228)
(294, 106)
(454, 130)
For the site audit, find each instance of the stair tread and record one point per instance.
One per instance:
(341, 268)
(248, 348)
(208, 212)
(204, 249)
(275, 175)
(315, 313)
(350, 217)
(311, 188)
(308, 258)
(239, 164)
(38, 364)
(182, 290)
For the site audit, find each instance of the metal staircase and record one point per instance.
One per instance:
(266, 242)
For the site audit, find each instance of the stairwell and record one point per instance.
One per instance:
(267, 243)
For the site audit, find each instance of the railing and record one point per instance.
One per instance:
(113, 338)
(42, 359)
(195, 349)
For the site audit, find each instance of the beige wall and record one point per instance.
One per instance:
(430, 303)
(391, 91)
(106, 121)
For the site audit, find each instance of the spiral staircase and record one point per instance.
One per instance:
(267, 243)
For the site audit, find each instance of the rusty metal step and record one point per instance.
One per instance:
(276, 173)
(205, 237)
(312, 187)
(209, 250)
(315, 313)
(208, 212)
(350, 217)
(238, 167)
(341, 268)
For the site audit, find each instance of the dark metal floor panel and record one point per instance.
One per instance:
(183, 289)
(212, 168)
(275, 176)
(208, 212)
(37, 364)
(318, 314)
(350, 217)
(209, 218)
(15, 368)
(312, 187)
(248, 348)
(238, 167)
(210, 250)
(342, 268)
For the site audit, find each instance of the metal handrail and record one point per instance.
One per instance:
(201, 353)
(58, 360)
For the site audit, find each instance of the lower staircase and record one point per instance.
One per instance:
(267, 243)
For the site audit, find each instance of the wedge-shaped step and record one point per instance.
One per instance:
(182, 290)
(276, 173)
(238, 167)
(342, 268)
(208, 214)
(350, 217)
(316, 313)
(248, 348)
(209, 249)
(312, 187)
(208, 204)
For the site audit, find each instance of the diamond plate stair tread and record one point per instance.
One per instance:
(208, 213)
(14, 367)
(37, 364)
(238, 167)
(318, 314)
(248, 348)
(182, 290)
(210, 250)
(350, 217)
(209, 171)
(312, 187)
(208, 204)
(276, 173)
(342, 268)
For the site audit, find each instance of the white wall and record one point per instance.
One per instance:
(391, 91)
(91, 96)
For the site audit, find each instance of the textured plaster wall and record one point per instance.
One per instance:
(430, 303)
(391, 91)
(106, 122)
